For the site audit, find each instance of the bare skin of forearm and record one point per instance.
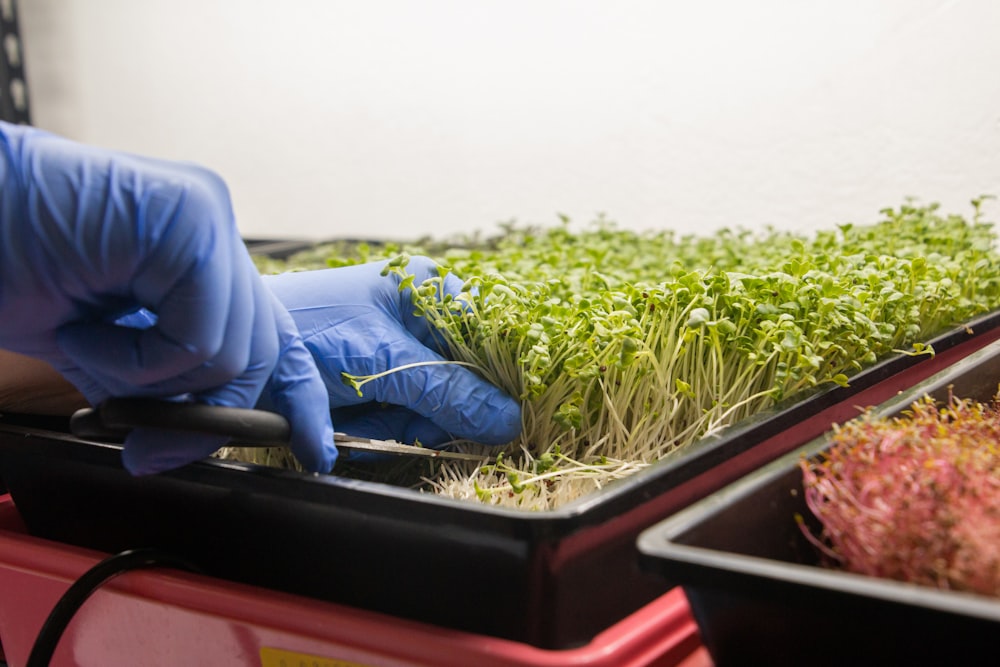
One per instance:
(31, 386)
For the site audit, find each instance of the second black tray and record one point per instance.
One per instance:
(758, 591)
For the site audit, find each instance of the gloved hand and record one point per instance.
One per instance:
(355, 320)
(89, 235)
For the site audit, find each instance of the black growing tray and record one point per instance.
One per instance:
(550, 579)
(760, 595)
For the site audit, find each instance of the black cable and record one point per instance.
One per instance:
(71, 601)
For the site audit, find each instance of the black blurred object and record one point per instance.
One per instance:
(758, 591)
(13, 84)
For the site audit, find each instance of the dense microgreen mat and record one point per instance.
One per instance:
(626, 346)
(912, 498)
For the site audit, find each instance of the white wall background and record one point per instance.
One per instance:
(395, 118)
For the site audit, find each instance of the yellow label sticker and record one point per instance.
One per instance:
(275, 657)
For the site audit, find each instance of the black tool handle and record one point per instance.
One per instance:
(117, 416)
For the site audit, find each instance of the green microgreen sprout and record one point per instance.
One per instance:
(358, 381)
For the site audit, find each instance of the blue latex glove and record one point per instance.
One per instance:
(355, 320)
(89, 235)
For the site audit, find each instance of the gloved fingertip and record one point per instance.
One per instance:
(312, 433)
(296, 390)
(317, 459)
(453, 284)
(503, 421)
(151, 451)
(138, 467)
